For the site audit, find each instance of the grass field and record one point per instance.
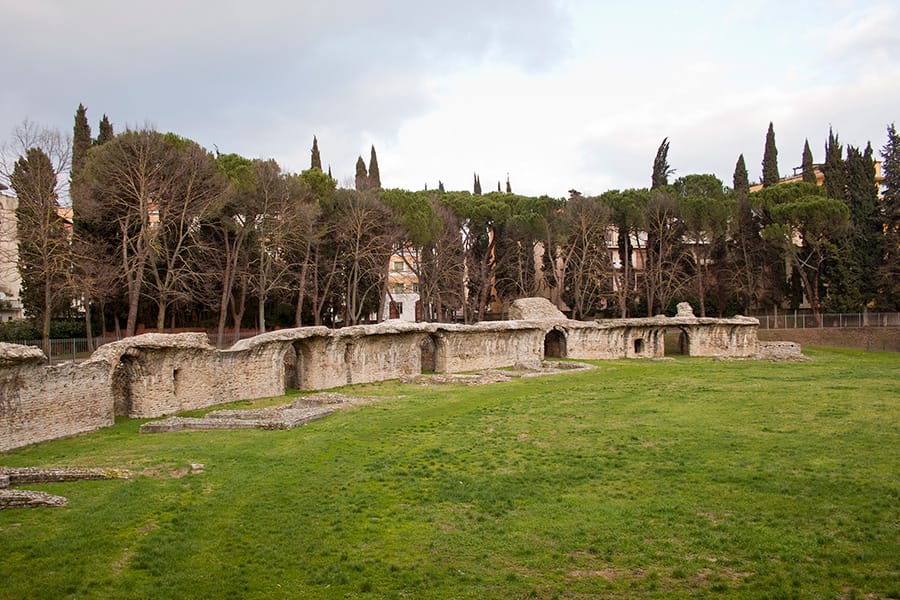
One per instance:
(657, 479)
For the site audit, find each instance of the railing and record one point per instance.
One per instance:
(64, 350)
(804, 320)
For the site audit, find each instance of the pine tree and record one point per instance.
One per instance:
(809, 170)
(661, 168)
(374, 175)
(834, 169)
(770, 174)
(81, 140)
(362, 177)
(316, 161)
(889, 273)
(106, 132)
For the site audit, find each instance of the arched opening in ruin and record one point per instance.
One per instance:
(677, 341)
(639, 346)
(123, 376)
(349, 351)
(176, 381)
(289, 363)
(429, 349)
(295, 366)
(555, 344)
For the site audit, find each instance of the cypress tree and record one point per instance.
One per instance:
(498, 187)
(851, 272)
(329, 171)
(809, 170)
(661, 168)
(374, 175)
(316, 162)
(770, 174)
(508, 187)
(889, 273)
(362, 177)
(476, 188)
(440, 186)
(741, 179)
(106, 132)
(81, 140)
(834, 169)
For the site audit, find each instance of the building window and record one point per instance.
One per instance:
(398, 265)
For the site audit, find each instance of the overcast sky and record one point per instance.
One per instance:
(559, 94)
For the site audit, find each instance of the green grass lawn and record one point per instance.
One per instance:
(657, 479)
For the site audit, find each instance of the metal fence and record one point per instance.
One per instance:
(804, 320)
(64, 350)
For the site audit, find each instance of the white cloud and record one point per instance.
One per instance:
(557, 93)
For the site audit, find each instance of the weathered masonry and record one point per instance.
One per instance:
(153, 375)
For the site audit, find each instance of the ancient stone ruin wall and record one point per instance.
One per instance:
(158, 374)
(153, 375)
(486, 346)
(40, 403)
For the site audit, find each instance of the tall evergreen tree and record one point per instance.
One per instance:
(770, 174)
(834, 169)
(362, 176)
(440, 186)
(81, 140)
(741, 179)
(374, 174)
(508, 186)
(661, 168)
(105, 133)
(809, 170)
(44, 258)
(476, 188)
(851, 272)
(316, 161)
(889, 273)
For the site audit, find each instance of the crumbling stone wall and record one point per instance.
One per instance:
(39, 402)
(153, 375)
(487, 346)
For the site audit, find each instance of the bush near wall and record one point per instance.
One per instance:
(26, 329)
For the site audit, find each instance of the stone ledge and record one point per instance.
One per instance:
(29, 499)
(26, 475)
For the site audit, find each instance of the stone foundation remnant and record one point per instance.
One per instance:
(11, 498)
(155, 375)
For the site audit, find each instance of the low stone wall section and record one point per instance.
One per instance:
(39, 402)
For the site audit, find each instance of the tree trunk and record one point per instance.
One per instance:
(88, 329)
(45, 324)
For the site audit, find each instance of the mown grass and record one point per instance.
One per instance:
(684, 478)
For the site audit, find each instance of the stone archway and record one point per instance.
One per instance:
(124, 374)
(555, 344)
(289, 361)
(429, 352)
(677, 341)
(294, 361)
